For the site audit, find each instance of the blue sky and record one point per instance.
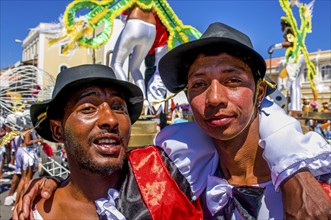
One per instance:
(260, 19)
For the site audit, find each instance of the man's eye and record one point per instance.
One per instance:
(231, 81)
(88, 109)
(198, 84)
(120, 108)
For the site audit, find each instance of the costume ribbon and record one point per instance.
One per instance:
(158, 189)
(106, 206)
(220, 195)
(82, 32)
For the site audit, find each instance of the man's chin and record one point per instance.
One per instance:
(104, 170)
(104, 167)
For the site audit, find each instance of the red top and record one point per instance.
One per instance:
(161, 37)
(47, 149)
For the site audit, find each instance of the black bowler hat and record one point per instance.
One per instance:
(80, 76)
(174, 65)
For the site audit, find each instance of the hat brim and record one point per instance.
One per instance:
(130, 91)
(173, 66)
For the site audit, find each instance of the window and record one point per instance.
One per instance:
(305, 74)
(326, 72)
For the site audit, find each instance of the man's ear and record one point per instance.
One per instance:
(262, 92)
(57, 130)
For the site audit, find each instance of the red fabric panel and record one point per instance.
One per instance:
(327, 189)
(161, 37)
(160, 192)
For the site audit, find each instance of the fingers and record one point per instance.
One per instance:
(15, 214)
(31, 195)
(18, 211)
(48, 187)
(44, 193)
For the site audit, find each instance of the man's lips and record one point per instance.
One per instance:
(108, 144)
(220, 120)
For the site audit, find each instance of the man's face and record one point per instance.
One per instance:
(96, 129)
(221, 91)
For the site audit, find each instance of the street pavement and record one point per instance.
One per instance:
(5, 211)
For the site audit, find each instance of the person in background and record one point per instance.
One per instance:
(47, 148)
(27, 158)
(325, 107)
(137, 37)
(11, 197)
(2, 148)
(314, 106)
(156, 91)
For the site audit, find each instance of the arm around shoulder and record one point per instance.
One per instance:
(287, 149)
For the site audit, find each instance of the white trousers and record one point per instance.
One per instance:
(156, 88)
(137, 37)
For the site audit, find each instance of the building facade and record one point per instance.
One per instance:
(322, 62)
(38, 52)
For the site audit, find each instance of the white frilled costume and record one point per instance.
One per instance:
(286, 149)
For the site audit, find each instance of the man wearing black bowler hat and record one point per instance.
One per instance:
(221, 153)
(91, 113)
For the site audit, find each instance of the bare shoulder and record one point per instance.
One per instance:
(62, 205)
(51, 208)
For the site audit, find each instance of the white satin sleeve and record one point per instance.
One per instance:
(287, 149)
(192, 151)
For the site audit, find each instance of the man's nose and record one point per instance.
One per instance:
(216, 94)
(107, 118)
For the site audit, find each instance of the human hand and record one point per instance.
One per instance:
(33, 191)
(274, 47)
(304, 198)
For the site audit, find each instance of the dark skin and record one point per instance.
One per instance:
(95, 130)
(312, 202)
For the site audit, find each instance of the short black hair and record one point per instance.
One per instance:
(56, 109)
(211, 50)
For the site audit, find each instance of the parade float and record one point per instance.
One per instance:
(296, 55)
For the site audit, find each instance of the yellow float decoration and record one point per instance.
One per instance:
(80, 31)
(299, 36)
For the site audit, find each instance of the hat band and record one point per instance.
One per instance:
(273, 86)
(41, 117)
